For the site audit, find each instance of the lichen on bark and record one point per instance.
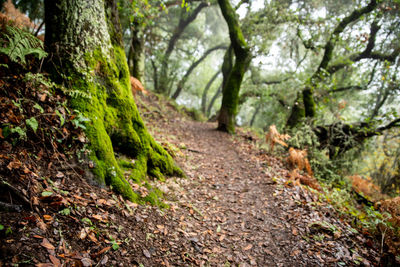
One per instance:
(97, 66)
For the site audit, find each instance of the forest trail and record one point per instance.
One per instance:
(233, 198)
(236, 210)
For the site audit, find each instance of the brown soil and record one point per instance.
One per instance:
(233, 209)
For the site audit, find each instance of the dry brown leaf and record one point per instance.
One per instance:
(45, 243)
(55, 260)
(103, 250)
(249, 246)
(93, 238)
(44, 265)
(294, 231)
(97, 217)
(41, 224)
(47, 217)
(84, 232)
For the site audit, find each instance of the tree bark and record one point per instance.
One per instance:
(84, 40)
(230, 91)
(136, 54)
(205, 92)
(213, 99)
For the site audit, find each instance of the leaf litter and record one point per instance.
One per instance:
(234, 208)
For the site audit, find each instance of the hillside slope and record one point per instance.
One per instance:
(234, 208)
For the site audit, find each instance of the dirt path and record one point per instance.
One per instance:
(233, 198)
(235, 210)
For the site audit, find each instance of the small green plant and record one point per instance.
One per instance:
(20, 131)
(1, 227)
(65, 212)
(114, 243)
(33, 123)
(79, 120)
(18, 43)
(8, 231)
(87, 221)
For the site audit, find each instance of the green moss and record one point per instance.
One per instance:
(309, 103)
(116, 123)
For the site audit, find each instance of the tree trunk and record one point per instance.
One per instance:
(136, 54)
(230, 91)
(205, 92)
(213, 99)
(256, 111)
(85, 43)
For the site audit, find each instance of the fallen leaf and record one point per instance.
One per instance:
(103, 250)
(47, 217)
(15, 164)
(86, 262)
(294, 231)
(84, 233)
(146, 253)
(41, 225)
(160, 227)
(97, 217)
(60, 175)
(44, 265)
(93, 238)
(45, 243)
(55, 260)
(249, 246)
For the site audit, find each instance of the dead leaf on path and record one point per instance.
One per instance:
(160, 227)
(84, 233)
(103, 250)
(41, 225)
(146, 253)
(60, 175)
(295, 253)
(101, 202)
(45, 243)
(294, 231)
(44, 265)
(47, 217)
(222, 237)
(249, 246)
(93, 238)
(55, 260)
(15, 164)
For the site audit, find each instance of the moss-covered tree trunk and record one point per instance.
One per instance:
(230, 91)
(86, 55)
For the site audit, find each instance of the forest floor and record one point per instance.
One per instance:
(235, 208)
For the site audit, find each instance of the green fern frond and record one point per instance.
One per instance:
(19, 44)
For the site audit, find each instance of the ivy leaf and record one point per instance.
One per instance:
(62, 119)
(46, 193)
(37, 106)
(32, 122)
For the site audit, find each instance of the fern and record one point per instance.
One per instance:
(19, 44)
